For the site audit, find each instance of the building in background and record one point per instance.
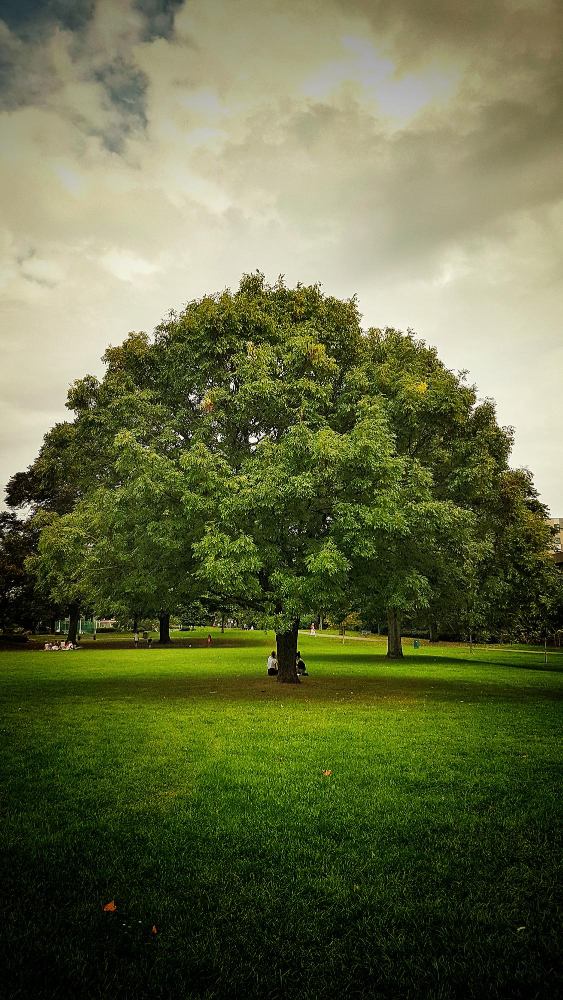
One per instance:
(87, 626)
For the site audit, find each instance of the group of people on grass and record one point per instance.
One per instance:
(53, 646)
(147, 638)
(273, 665)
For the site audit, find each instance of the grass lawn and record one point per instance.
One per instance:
(381, 830)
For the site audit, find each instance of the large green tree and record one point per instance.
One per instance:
(262, 438)
(265, 379)
(279, 458)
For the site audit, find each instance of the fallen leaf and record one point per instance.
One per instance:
(326, 773)
(110, 907)
(153, 929)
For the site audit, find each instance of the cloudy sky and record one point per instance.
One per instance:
(409, 151)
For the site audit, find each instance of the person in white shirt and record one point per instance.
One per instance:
(272, 664)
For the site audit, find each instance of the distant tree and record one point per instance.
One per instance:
(517, 584)
(21, 604)
(57, 564)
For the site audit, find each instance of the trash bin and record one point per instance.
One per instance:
(416, 644)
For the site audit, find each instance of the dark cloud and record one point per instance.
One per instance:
(30, 18)
(159, 16)
(30, 76)
(125, 86)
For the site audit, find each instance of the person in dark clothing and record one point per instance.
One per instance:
(300, 664)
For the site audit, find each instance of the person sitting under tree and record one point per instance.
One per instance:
(272, 664)
(301, 666)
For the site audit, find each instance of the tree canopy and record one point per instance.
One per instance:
(262, 450)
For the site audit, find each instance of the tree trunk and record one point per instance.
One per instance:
(394, 647)
(135, 624)
(164, 627)
(73, 621)
(433, 632)
(286, 645)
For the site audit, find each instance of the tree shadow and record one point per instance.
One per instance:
(374, 689)
(453, 661)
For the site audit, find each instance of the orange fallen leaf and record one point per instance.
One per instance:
(153, 929)
(110, 907)
(326, 773)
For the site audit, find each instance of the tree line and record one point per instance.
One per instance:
(262, 452)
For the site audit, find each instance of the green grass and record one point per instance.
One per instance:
(188, 786)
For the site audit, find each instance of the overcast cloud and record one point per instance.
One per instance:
(407, 152)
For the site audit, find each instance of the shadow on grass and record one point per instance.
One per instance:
(454, 661)
(378, 690)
